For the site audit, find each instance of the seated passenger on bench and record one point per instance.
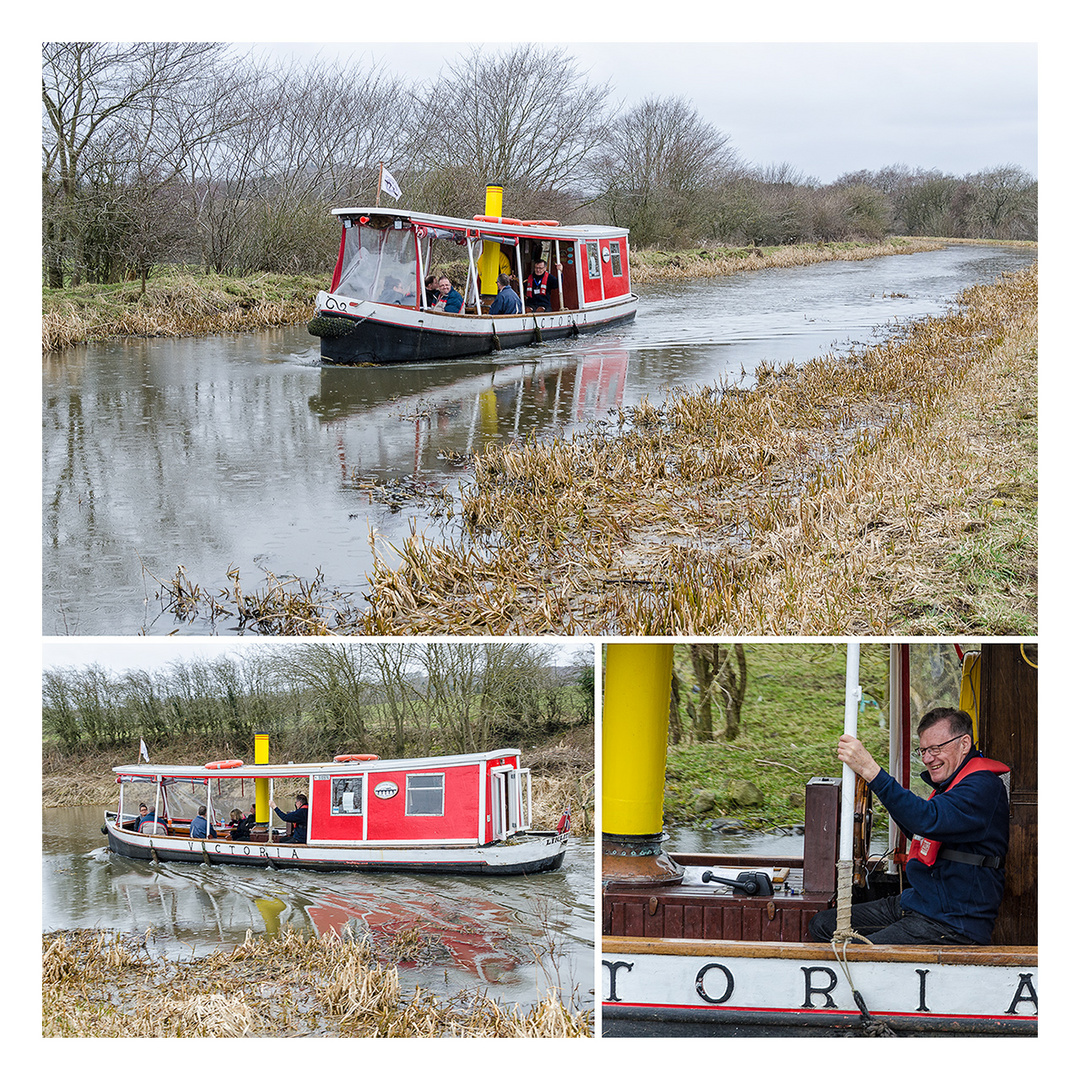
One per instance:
(960, 836)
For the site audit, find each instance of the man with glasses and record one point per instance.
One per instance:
(959, 837)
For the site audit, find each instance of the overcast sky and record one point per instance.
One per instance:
(824, 108)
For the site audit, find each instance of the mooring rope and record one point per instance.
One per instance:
(843, 937)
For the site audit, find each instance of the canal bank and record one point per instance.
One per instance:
(182, 302)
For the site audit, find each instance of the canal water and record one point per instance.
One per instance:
(513, 938)
(239, 451)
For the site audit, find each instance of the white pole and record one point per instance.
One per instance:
(847, 783)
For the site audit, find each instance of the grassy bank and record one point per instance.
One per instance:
(792, 716)
(651, 265)
(177, 303)
(562, 774)
(183, 303)
(101, 985)
(893, 491)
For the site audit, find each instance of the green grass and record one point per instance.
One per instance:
(793, 714)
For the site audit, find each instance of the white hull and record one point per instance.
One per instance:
(527, 853)
(660, 986)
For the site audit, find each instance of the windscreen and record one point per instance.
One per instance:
(379, 264)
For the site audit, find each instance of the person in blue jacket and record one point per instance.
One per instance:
(200, 827)
(507, 302)
(450, 300)
(298, 818)
(960, 836)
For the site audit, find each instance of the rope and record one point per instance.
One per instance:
(843, 937)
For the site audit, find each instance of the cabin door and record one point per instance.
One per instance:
(511, 802)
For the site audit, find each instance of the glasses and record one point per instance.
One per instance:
(924, 750)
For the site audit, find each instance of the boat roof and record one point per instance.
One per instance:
(307, 768)
(486, 225)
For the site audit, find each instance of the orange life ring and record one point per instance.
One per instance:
(357, 757)
(553, 224)
(231, 764)
(498, 220)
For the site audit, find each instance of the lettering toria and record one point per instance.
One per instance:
(714, 984)
(233, 849)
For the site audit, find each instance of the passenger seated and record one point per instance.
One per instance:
(200, 827)
(507, 302)
(538, 286)
(134, 823)
(298, 818)
(239, 827)
(450, 300)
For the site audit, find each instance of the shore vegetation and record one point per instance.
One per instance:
(97, 984)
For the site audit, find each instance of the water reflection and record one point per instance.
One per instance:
(239, 450)
(489, 932)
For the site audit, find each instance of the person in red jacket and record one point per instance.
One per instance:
(960, 836)
(538, 287)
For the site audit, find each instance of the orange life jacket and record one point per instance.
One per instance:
(926, 851)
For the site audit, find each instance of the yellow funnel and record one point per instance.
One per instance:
(489, 257)
(262, 787)
(637, 692)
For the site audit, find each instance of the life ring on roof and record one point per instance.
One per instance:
(552, 224)
(231, 764)
(499, 220)
(357, 757)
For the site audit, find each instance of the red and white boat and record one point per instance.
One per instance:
(464, 814)
(377, 310)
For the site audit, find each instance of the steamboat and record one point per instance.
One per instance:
(379, 310)
(463, 814)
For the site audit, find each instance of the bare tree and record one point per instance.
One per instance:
(523, 118)
(654, 164)
(720, 674)
(109, 102)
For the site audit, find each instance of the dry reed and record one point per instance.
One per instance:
(96, 984)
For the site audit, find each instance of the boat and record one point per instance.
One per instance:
(461, 814)
(377, 310)
(713, 944)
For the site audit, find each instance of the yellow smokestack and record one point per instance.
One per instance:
(262, 786)
(489, 257)
(637, 691)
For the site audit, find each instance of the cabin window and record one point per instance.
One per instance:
(616, 260)
(424, 795)
(347, 795)
(592, 257)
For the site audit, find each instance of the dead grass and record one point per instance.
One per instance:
(105, 985)
(648, 265)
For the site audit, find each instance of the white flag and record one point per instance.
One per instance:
(144, 754)
(389, 185)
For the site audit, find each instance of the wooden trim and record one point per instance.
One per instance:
(983, 956)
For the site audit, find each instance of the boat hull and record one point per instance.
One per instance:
(383, 334)
(671, 987)
(532, 853)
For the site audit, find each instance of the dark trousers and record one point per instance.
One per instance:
(885, 922)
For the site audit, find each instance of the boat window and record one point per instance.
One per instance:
(379, 264)
(424, 794)
(592, 255)
(347, 795)
(616, 259)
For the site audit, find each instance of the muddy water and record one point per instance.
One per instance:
(239, 450)
(511, 937)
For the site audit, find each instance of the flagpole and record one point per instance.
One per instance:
(378, 189)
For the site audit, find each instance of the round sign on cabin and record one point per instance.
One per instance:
(605, 254)
(386, 790)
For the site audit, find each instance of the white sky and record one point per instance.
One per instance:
(824, 108)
